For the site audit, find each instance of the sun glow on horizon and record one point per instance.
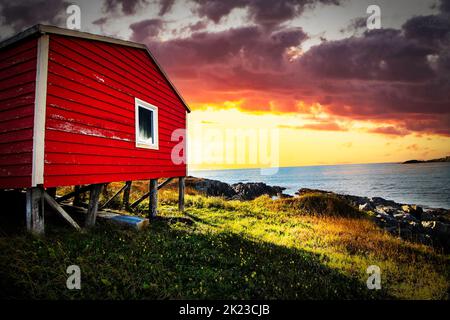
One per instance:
(302, 140)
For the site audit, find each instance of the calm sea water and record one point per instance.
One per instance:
(426, 184)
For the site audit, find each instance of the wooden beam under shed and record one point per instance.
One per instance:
(35, 210)
(126, 196)
(94, 196)
(181, 188)
(153, 201)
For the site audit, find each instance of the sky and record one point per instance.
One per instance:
(287, 82)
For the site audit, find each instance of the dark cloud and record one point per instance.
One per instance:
(146, 29)
(166, 6)
(355, 25)
(100, 21)
(127, 7)
(445, 6)
(428, 29)
(21, 14)
(383, 76)
(378, 55)
(247, 47)
(266, 13)
(199, 25)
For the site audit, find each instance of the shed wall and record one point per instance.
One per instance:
(90, 117)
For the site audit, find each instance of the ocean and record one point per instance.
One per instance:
(424, 184)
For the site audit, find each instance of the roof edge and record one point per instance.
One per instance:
(43, 29)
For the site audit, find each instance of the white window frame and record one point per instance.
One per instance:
(141, 143)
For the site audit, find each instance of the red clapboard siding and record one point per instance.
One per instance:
(90, 116)
(17, 83)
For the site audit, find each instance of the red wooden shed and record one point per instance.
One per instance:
(83, 109)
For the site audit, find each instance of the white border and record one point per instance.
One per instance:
(40, 101)
(139, 143)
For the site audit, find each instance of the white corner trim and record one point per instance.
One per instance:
(40, 102)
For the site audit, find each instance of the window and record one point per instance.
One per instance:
(146, 125)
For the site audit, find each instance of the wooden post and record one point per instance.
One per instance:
(181, 194)
(94, 196)
(76, 199)
(145, 196)
(35, 210)
(126, 196)
(153, 201)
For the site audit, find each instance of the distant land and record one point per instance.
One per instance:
(446, 159)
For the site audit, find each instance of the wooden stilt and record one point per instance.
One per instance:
(94, 195)
(35, 210)
(181, 193)
(126, 196)
(145, 196)
(153, 202)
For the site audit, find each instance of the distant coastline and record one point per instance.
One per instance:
(445, 159)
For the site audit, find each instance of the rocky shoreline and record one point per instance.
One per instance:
(411, 222)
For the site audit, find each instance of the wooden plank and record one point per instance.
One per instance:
(181, 187)
(153, 201)
(145, 196)
(113, 197)
(73, 193)
(55, 206)
(136, 223)
(126, 196)
(94, 195)
(35, 210)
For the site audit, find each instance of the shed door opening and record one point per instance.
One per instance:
(146, 125)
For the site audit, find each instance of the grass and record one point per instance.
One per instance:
(312, 247)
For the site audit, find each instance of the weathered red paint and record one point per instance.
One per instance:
(90, 113)
(17, 83)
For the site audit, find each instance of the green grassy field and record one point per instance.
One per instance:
(312, 247)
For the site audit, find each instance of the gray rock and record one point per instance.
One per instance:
(413, 210)
(377, 201)
(437, 228)
(252, 190)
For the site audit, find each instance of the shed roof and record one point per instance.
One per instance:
(45, 29)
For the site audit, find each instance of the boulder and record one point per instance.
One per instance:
(377, 201)
(211, 187)
(437, 228)
(413, 210)
(252, 190)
